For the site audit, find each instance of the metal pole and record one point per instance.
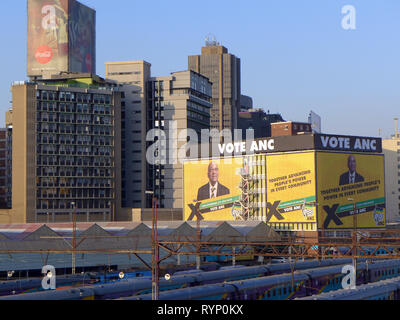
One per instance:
(74, 240)
(198, 233)
(155, 292)
(355, 242)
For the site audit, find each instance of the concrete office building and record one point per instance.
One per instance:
(223, 70)
(258, 121)
(132, 77)
(246, 103)
(185, 98)
(290, 128)
(3, 168)
(9, 165)
(66, 150)
(391, 150)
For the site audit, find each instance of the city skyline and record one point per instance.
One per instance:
(296, 57)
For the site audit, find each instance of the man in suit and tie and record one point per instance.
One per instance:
(352, 176)
(213, 189)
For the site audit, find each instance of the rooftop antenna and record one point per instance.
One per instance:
(396, 127)
(211, 40)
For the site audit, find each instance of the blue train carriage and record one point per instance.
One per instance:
(281, 287)
(22, 286)
(247, 255)
(382, 290)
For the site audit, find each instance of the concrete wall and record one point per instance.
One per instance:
(392, 178)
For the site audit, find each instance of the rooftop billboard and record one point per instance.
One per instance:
(351, 190)
(61, 37)
(302, 190)
(223, 189)
(291, 188)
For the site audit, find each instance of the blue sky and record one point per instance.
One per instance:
(295, 55)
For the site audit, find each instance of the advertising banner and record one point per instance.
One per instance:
(348, 185)
(291, 188)
(61, 37)
(211, 189)
(223, 189)
(47, 36)
(82, 38)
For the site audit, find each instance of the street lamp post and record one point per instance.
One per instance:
(155, 257)
(354, 237)
(73, 238)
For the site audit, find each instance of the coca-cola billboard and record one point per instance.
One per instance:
(61, 37)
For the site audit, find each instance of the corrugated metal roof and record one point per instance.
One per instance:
(225, 232)
(112, 236)
(41, 233)
(3, 237)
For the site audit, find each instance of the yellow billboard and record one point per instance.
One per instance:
(291, 188)
(211, 188)
(225, 189)
(351, 190)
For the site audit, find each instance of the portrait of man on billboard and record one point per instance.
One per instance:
(351, 176)
(213, 188)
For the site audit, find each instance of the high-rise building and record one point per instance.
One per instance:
(132, 77)
(66, 150)
(246, 103)
(3, 168)
(9, 158)
(175, 103)
(391, 150)
(258, 121)
(61, 38)
(223, 70)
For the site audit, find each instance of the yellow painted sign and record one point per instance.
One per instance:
(351, 190)
(291, 187)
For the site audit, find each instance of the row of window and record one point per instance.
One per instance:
(74, 161)
(73, 182)
(73, 118)
(278, 292)
(197, 116)
(67, 204)
(71, 139)
(69, 128)
(73, 193)
(73, 96)
(71, 149)
(73, 108)
(73, 172)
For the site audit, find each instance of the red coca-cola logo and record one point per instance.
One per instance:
(88, 60)
(43, 54)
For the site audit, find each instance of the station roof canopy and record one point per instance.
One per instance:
(108, 237)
